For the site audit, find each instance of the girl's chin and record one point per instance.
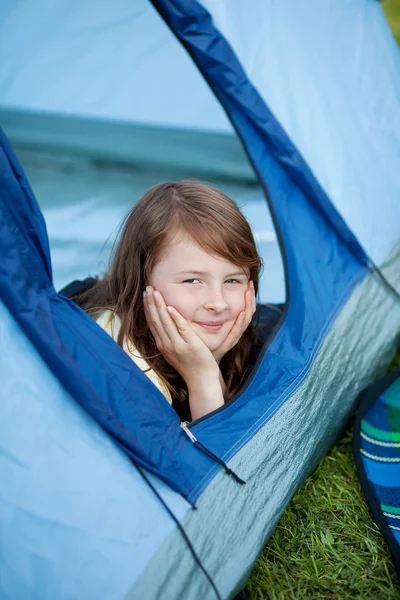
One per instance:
(211, 344)
(212, 339)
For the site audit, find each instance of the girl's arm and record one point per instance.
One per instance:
(205, 395)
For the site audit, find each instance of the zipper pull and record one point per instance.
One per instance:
(207, 452)
(186, 429)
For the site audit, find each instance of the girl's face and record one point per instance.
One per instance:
(207, 290)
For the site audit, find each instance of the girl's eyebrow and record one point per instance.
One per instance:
(207, 273)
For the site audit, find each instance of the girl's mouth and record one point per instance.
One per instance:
(210, 326)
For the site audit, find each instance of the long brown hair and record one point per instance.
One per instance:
(216, 224)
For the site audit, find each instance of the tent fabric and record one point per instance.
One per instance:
(303, 63)
(74, 346)
(78, 479)
(240, 520)
(78, 67)
(311, 310)
(75, 514)
(337, 334)
(306, 60)
(376, 447)
(149, 431)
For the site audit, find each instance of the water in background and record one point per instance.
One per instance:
(84, 201)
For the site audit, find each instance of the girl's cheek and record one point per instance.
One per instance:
(239, 302)
(179, 300)
(185, 306)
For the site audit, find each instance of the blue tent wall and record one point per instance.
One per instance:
(335, 95)
(313, 253)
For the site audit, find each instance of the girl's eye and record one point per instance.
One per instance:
(227, 281)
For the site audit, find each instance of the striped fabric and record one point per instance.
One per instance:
(377, 453)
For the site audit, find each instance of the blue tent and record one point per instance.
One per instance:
(106, 496)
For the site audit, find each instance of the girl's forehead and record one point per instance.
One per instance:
(182, 246)
(182, 252)
(180, 239)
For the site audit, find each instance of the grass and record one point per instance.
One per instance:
(391, 9)
(326, 546)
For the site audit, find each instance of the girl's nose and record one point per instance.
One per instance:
(216, 302)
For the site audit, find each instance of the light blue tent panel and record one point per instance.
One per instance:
(305, 70)
(74, 511)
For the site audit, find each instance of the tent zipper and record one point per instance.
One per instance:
(210, 454)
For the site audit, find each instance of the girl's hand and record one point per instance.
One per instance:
(240, 325)
(180, 345)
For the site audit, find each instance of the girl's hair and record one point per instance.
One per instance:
(216, 224)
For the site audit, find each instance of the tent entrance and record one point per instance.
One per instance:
(86, 175)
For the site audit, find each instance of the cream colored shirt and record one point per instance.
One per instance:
(111, 323)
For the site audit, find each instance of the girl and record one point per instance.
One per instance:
(179, 294)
